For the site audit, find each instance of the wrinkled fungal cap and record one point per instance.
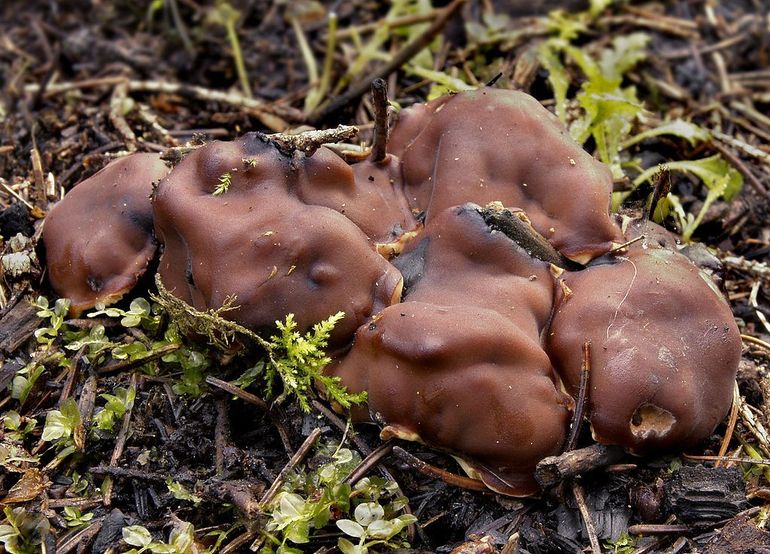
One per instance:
(259, 243)
(664, 346)
(459, 364)
(500, 145)
(464, 379)
(98, 239)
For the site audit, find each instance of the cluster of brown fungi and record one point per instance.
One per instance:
(473, 262)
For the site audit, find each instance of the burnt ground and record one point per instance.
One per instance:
(83, 82)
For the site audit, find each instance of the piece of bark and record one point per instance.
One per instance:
(17, 326)
(698, 494)
(739, 536)
(554, 469)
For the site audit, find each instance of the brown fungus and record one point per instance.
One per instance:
(500, 145)
(98, 239)
(664, 345)
(258, 243)
(459, 364)
(466, 341)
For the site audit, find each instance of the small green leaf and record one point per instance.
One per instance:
(136, 535)
(351, 528)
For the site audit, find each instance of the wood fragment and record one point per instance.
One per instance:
(310, 141)
(381, 120)
(433, 471)
(580, 404)
(369, 462)
(585, 513)
(730, 424)
(18, 325)
(554, 469)
(300, 455)
(515, 226)
(125, 365)
(698, 494)
(120, 440)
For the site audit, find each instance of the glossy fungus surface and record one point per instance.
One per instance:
(98, 239)
(472, 264)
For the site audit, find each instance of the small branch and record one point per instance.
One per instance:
(358, 88)
(580, 404)
(554, 469)
(274, 117)
(310, 141)
(239, 392)
(118, 109)
(127, 473)
(221, 433)
(734, 410)
(152, 355)
(759, 270)
(658, 529)
(292, 463)
(120, 441)
(432, 471)
(515, 227)
(577, 492)
(369, 462)
(755, 183)
(380, 104)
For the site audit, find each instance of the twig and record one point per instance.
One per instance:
(369, 462)
(69, 543)
(118, 109)
(152, 355)
(577, 492)
(273, 412)
(755, 340)
(273, 117)
(399, 59)
(128, 473)
(756, 269)
(733, 459)
(239, 392)
(580, 404)
(658, 529)
(515, 227)
(37, 172)
(120, 441)
(300, 455)
(734, 410)
(755, 183)
(662, 188)
(310, 141)
(364, 448)
(427, 469)
(221, 432)
(555, 469)
(380, 104)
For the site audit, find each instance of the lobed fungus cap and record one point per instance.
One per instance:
(98, 239)
(664, 345)
(258, 242)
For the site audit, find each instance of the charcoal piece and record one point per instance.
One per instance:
(701, 494)
(111, 531)
(15, 219)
